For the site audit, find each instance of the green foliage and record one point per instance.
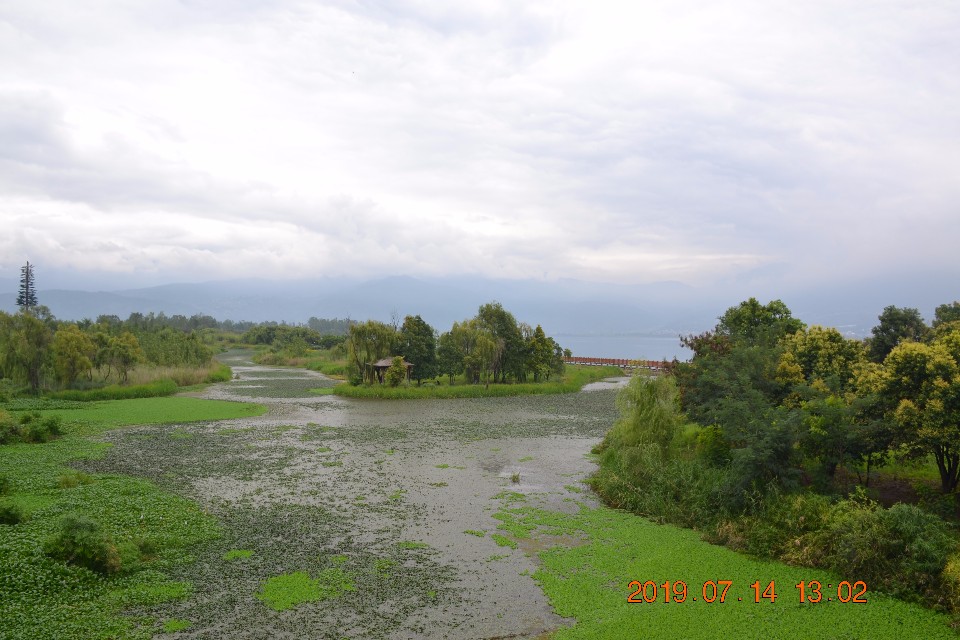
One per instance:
(288, 590)
(25, 340)
(946, 313)
(10, 512)
(222, 373)
(649, 415)
(31, 427)
(73, 478)
(902, 550)
(922, 388)
(73, 351)
(752, 323)
(82, 541)
(396, 373)
(418, 345)
(896, 325)
(572, 381)
(712, 447)
(368, 342)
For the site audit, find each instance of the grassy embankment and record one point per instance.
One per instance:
(139, 531)
(150, 382)
(572, 380)
(324, 361)
(590, 583)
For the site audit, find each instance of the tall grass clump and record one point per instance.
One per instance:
(82, 541)
(155, 389)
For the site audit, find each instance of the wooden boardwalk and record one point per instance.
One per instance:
(623, 363)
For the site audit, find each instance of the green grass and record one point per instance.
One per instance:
(238, 554)
(118, 413)
(41, 597)
(412, 544)
(289, 590)
(475, 532)
(503, 541)
(175, 625)
(590, 583)
(573, 380)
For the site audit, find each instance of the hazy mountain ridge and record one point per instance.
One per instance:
(563, 307)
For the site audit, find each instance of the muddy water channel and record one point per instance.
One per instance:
(398, 495)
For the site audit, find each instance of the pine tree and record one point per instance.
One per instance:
(27, 299)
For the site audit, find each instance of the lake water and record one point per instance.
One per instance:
(638, 347)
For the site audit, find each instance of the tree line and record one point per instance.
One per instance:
(491, 347)
(38, 351)
(785, 399)
(769, 438)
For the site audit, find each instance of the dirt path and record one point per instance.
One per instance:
(398, 494)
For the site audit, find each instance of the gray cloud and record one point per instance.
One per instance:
(624, 143)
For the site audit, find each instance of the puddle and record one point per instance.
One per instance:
(319, 477)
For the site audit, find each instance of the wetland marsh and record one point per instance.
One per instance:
(398, 498)
(317, 516)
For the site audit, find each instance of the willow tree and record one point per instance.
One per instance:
(368, 342)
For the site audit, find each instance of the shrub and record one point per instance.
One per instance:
(10, 513)
(902, 550)
(396, 373)
(74, 479)
(9, 430)
(5, 486)
(222, 373)
(32, 427)
(712, 447)
(81, 541)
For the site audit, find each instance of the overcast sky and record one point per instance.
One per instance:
(703, 142)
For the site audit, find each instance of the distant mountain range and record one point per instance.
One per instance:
(563, 307)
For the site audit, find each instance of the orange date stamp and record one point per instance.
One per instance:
(812, 592)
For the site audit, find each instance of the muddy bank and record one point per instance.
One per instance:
(398, 494)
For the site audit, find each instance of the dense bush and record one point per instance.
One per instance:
(82, 541)
(10, 513)
(31, 427)
(5, 485)
(902, 550)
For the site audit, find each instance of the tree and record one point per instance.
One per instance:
(505, 332)
(896, 325)
(72, 352)
(946, 313)
(25, 345)
(921, 386)
(418, 345)
(27, 298)
(124, 352)
(820, 353)
(368, 342)
(540, 355)
(449, 357)
(753, 323)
